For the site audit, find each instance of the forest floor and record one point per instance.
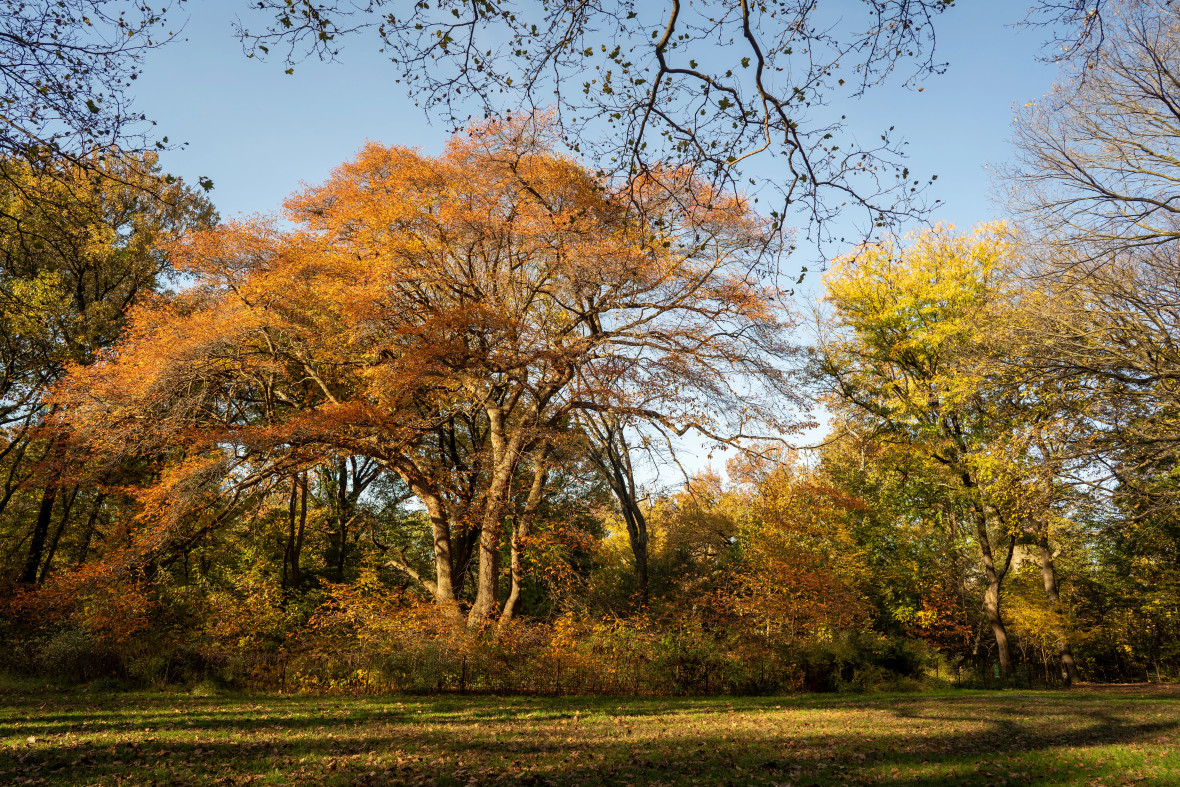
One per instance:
(1085, 736)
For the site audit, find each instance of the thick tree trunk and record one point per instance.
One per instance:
(444, 587)
(1069, 669)
(505, 456)
(991, 611)
(487, 596)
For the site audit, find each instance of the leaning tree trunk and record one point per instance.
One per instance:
(520, 533)
(637, 535)
(1069, 669)
(442, 588)
(991, 595)
(40, 534)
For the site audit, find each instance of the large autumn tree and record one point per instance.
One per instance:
(494, 291)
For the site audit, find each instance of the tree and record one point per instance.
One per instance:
(797, 569)
(66, 67)
(1078, 28)
(912, 348)
(912, 528)
(1096, 164)
(499, 283)
(705, 85)
(610, 451)
(1095, 181)
(75, 254)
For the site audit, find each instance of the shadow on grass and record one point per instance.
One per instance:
(1039, 738)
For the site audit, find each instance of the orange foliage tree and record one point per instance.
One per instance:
(798, 570)
(493, 291)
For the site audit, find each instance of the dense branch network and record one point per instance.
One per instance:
(713, 86)
(67, 68)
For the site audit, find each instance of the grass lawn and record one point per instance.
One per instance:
(1088, 736)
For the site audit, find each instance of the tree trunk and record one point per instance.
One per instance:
(465, 548)
(613, 457)
(289, 547)
(40, 533)
(1069, 669)
(521, 532)
(637, 535)
(991, 596)
(444, 587)
(297, 546)
(343, 509)
(991, 610)
(487, 596)
(88, 533)
(11, 481)
(67, 507)
(505, 456)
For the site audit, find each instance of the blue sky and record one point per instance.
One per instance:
(258, 132)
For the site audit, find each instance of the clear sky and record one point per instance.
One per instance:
(258, 132)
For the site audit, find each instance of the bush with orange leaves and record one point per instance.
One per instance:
(797, 570)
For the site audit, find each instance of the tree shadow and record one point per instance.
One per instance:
(900, 740)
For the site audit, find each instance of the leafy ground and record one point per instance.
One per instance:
(1123, 735)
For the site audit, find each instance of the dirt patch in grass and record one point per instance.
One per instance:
(1108, 736)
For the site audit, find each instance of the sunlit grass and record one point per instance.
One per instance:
(1125, 736)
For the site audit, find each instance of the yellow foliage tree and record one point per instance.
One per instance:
(915, 340)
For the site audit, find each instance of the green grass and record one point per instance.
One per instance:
(1086, 736)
